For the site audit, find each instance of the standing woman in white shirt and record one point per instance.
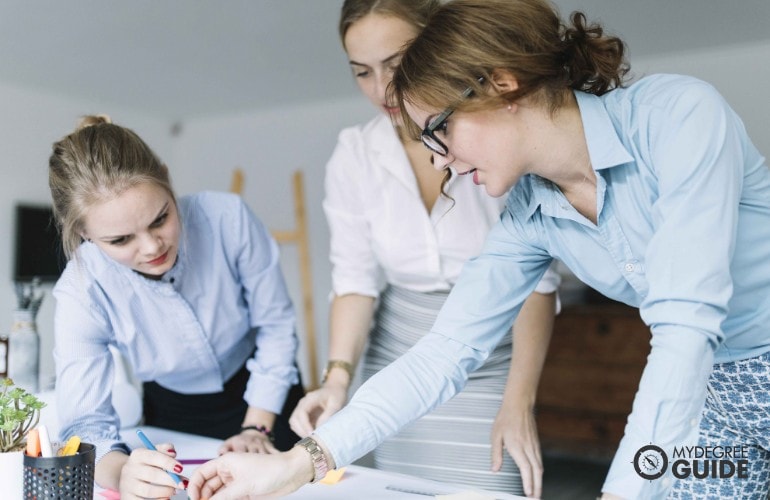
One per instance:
(400, 233)
(190, 292)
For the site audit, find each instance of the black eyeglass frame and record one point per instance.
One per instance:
(428, 135)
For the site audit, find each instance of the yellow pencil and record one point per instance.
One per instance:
(71, 447)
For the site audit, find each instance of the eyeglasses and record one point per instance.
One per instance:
(428, 135)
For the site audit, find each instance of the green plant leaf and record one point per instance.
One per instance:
(16, 393)
(19, 412)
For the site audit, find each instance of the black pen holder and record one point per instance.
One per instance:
(70, 477)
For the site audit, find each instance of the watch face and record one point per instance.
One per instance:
(650, 462)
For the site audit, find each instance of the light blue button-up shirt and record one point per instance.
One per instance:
(683, 233)
(190, 332)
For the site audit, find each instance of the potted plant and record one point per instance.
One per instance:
(19, 413)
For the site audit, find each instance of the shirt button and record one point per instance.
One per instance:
(629, 267)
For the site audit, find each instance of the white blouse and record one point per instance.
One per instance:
(381, 232)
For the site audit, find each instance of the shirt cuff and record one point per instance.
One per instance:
(267, 392)
(106, 446)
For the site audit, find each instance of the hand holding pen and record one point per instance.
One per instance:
(152, 472)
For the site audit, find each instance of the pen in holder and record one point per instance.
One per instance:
(70, 477)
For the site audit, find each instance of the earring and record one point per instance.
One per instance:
(510, 106)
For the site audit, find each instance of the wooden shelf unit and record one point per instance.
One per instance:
(590, 378)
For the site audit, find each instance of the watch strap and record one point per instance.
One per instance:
(338, 363)
(317, 456)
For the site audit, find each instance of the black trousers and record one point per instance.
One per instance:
(219, 414)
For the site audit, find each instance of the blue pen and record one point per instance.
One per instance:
(148, 444)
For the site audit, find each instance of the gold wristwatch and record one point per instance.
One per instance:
(320, 464)
(338, 363)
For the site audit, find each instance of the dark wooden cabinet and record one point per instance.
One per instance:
(590, 377)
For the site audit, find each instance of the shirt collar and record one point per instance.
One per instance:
(604, 148)
(390, 153)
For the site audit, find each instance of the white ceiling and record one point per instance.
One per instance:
(179, 59)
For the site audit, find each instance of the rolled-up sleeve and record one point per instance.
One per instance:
(355, 268)
(273, 369)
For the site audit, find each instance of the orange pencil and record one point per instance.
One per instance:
(33, 443)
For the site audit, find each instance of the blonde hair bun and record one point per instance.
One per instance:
(90, 120)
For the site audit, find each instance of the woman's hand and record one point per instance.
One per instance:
(316, 408)
(515, 430)
(144, 474)
(251, 441)
(241, 475)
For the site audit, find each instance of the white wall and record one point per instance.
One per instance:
(30, 122)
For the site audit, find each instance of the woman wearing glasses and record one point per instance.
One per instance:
(397, 246)
(652, 194)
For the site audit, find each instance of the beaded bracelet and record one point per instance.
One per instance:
(260, 428)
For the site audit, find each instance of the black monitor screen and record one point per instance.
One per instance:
(38, 250)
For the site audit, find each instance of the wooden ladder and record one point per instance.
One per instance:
(297, 236)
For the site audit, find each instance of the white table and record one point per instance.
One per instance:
(357, 482)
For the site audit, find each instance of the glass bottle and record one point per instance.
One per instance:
(24, 351)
